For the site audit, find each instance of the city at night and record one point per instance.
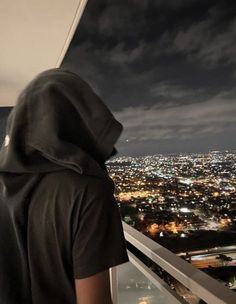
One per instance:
(186, 202)
(202, 183)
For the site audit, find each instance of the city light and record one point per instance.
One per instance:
(184, 202)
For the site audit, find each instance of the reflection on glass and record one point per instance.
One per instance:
(134, 287)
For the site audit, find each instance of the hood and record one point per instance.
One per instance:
(58, 122)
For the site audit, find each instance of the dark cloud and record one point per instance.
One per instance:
(215, 115)
(201, 43)
(166, 68)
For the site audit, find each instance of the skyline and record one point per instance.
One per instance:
(167, 70)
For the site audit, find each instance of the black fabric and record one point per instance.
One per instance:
(58, 216)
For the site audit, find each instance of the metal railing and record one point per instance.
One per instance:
(198, 282)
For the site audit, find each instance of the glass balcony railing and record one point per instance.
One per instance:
(138, 284)
(134, 282)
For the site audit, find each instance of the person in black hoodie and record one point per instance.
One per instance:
(60, 226)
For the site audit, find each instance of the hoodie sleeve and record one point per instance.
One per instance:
(99, 241)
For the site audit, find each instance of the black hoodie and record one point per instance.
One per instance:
(58, 216)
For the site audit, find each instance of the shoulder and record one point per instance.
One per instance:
(72, 181)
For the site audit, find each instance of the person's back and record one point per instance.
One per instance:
(60, 227)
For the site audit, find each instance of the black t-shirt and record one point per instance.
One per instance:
(73, 231)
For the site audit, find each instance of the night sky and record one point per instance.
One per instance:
(167, 70)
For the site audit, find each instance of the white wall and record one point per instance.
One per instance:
(34, 36)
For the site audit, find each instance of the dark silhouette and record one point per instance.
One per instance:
(60, 226)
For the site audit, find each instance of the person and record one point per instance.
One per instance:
(60, 226)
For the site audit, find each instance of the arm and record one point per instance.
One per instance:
(98, 244)
(94, 289)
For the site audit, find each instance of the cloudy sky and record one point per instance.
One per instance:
(167, 70)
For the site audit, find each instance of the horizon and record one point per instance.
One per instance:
(173, 154)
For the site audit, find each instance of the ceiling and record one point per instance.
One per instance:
(34, 36)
